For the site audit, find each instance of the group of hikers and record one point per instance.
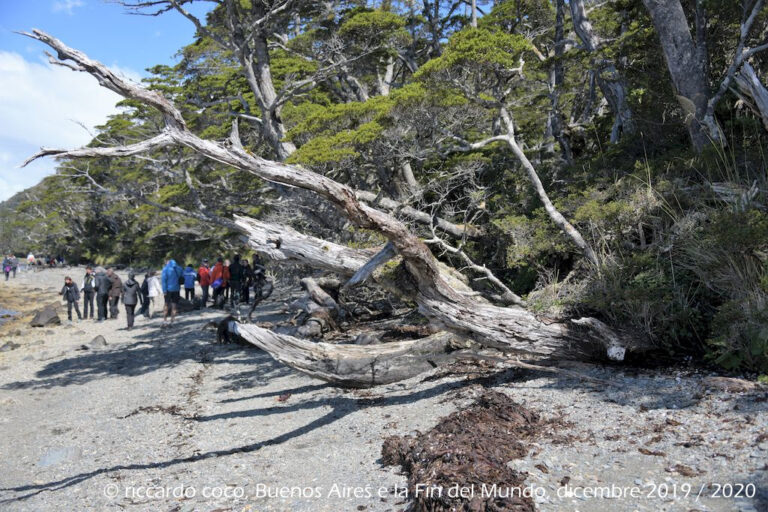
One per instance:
(231, 283)
(11, 263)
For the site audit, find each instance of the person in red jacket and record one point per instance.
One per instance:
(204, 278)
(218, 281)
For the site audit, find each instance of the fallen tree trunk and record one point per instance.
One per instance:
(516, 329)
(283, 243)
(511, 329)
(353, 365)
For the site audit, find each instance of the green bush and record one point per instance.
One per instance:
(730, 258)
(640, 294)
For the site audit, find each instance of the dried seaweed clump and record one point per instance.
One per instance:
(468, 452)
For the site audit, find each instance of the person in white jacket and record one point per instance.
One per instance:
(155, 289)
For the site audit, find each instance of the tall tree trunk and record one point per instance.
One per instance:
(555, 83)
(688, 66)
(249, 44)
(272, 123)
(609, 79)
(431, 13)
(385, 80)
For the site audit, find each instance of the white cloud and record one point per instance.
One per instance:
(41, 105)
(9, 188)
(66, 6)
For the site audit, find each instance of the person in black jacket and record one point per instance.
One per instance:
(145, 295)
(235, 280)
(115, 291)
(131, 297)
(102, 284)
(247, 281)
(72, 296)
(88, 292)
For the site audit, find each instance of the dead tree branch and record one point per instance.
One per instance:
(512, 328)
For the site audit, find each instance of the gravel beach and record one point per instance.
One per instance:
(165, 419)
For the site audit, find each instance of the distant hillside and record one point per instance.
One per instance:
(11, 234)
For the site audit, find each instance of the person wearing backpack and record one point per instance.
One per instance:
(217, 281)
(204, 276)
(189, 282)
(102, 284)
(145, 295)
(131, 296)
(171, 275)
(89, 292)
(7, 267)
(72, 296)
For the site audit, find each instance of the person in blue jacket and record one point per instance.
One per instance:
(189, 282)
(170, 278)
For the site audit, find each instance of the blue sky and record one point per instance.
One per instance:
(45, 105)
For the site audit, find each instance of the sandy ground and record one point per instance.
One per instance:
(168, 420)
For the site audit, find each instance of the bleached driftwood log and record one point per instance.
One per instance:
(353, 365)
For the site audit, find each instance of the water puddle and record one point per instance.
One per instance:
(6, 315)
